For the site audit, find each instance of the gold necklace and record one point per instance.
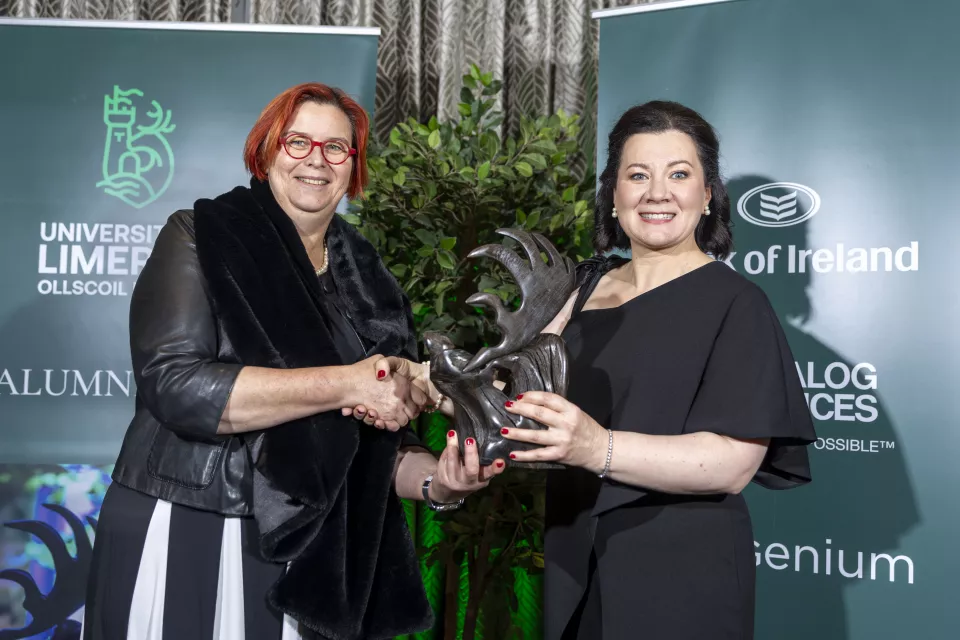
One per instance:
(323, 268)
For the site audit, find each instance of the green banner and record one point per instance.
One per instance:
(108, 128)
(839, 141)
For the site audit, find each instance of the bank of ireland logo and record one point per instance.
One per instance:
(137, 158)
(779, 204)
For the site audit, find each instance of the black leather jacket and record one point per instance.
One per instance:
(185, 369)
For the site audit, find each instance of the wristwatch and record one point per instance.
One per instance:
(438, 506)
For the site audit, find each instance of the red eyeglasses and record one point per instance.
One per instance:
(299, 146)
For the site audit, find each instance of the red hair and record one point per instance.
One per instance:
(263, 141)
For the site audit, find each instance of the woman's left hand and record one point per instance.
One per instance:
(456, 478)
(572, 437)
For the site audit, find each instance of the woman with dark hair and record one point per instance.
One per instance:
(244, 505)
(683, 389)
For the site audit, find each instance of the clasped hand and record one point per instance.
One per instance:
(382, 399)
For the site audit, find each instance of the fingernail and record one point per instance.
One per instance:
(508, 403)
(520, 397)
(513, 456)
(499, 464)
(504, 431)
(381, 375)
(361, 411)
(470, 442)
(451, 433)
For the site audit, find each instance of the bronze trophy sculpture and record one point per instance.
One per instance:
(525, 359)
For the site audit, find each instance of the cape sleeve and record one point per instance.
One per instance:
(750, 389)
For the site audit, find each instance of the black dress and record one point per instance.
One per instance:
(703, 352)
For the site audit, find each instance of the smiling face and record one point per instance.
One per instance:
(312, 186)
(661, 191)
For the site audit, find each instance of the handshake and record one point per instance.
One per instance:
(389, 392)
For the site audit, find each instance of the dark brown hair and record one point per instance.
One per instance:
(713, 232)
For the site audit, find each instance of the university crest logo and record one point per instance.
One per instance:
(137, 158)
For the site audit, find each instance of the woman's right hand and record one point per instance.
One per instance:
(389, 401)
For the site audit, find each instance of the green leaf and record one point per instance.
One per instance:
(352, 218)
(580, 207)
(425, 252)
(395, 139)
(446, 260)
(484, 170)
(448, 243)
(535, 159)
(475, 72)
(555, 222)
(427, 238)
(438, 305)
(467, 172)
(470, 81)
(493, 88)
(544, 146)
(434, 139)
(493, 121)
(423, 130)
(569, 194)
(433, 124)
(400, 178)
(399, 270)
(464, 109)
(466, 95)
(533, 220)
(523, 169)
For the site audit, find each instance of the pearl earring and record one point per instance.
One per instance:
(614, 214)
(706, 210)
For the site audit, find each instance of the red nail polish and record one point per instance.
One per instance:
(504, 431)
(520, 397)
(513, 456)
(470, 442)
(451, 433)
(500, 464)
(508, 403)
(381, 375)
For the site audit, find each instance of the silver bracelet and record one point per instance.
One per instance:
(606, 466)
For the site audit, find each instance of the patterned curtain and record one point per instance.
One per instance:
(545, 51)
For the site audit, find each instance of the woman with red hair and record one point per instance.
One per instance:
(244, 504)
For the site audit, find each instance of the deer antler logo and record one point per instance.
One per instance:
(531, 360)
(52, 609)
(137, 159)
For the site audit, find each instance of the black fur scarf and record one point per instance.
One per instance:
(323, 491)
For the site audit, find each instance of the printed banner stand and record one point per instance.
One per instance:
(838, 134)
(108, 128)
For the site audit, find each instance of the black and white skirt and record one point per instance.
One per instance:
(161, 571)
